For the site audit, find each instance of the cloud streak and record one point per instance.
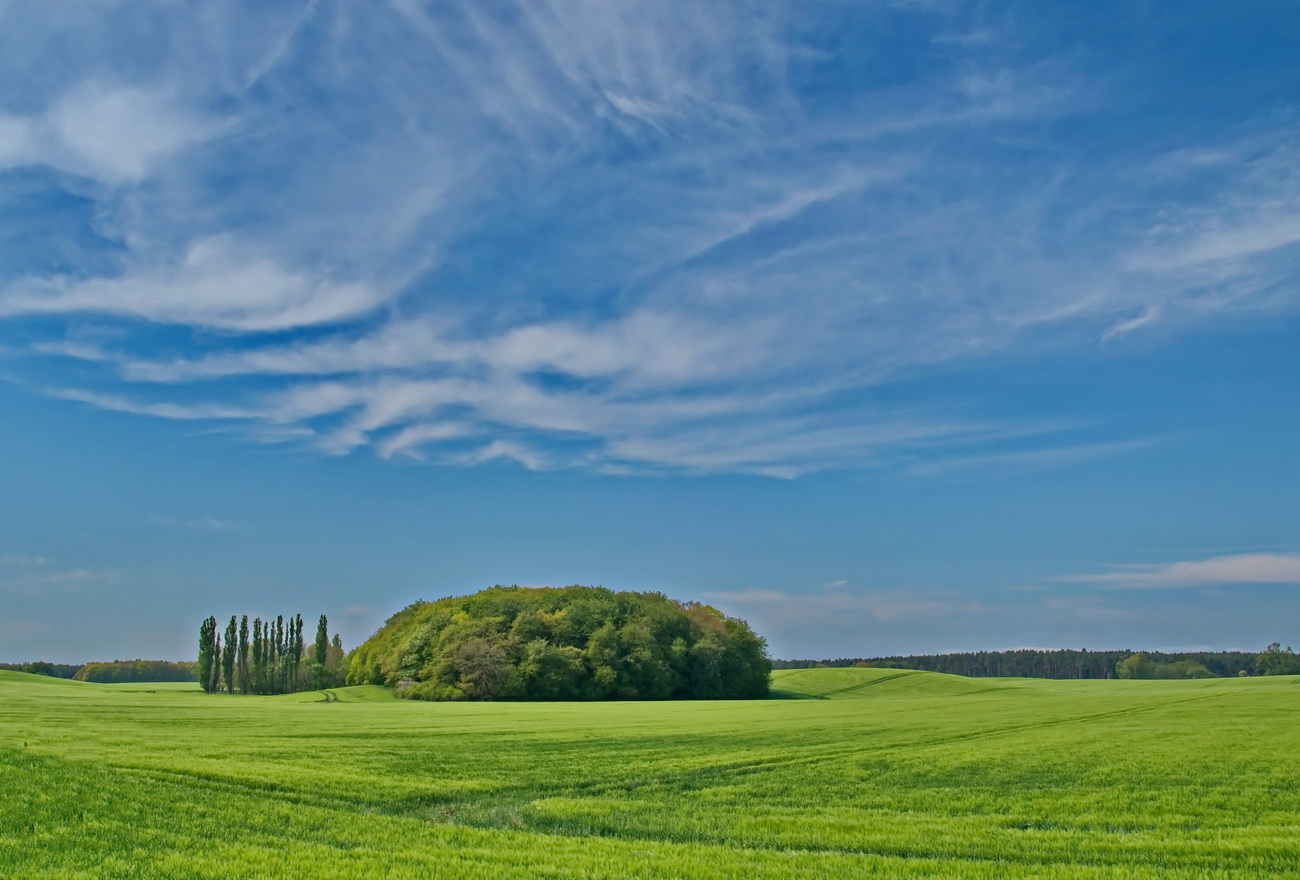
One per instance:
(1241, 568)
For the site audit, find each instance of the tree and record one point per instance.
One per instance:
(322, 640)
(243, 655)
(277, 655)
(1135, 666)
(259, 652)
(1277, 660)
(209, 654)
(483, 669)
(228, 659)
(296, 658)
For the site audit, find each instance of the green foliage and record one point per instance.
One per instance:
(1276, 660)
(244, 682)
(322, 645)
(857, 773)
(230, 655)
(570, 643)
(271, 659)
(127, 671)
(1135, 666)
(209, 663)
(1139, 665)
(41, 667)
(1029, 663)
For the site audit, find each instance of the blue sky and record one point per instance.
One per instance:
(891, 327)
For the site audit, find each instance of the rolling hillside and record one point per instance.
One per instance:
(852, 772)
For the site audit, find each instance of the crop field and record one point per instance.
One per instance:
(845, 773)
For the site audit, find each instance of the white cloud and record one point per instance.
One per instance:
(1241, 568)
(183, 412)
(113, 133)
(118, 133)
(219, 283)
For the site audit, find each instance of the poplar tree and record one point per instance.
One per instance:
(322, 640)
(257, 654)
(298, 644)
(228, 659)
(277, 649)
(214, 676)
(207, 633)
(243, 655)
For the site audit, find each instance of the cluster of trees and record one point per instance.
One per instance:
(1045, 664)
(120, 671)
(1276, 660)
(570, 643)
(40, 667)
(269, 658)
(1140, 665)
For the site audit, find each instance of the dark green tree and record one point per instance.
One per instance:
(229, 657)
(243, 655)
(209, 654)
(259, 655)
(296, 657)
(276, 662)
(322, 640)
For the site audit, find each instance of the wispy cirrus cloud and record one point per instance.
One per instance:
(1239, 568)
(656, 236)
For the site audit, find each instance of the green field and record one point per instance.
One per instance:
(848, 772)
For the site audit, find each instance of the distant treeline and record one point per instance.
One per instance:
(121, 671)
(108, 673)
(1055, 664)
(40, 667)
(269, 658)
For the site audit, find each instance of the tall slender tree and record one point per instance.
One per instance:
(214, 678)
(258, 649)
(243, 655)
(277, 646)
(322, 640)
(207, 660)
(298, 645)
(230, 655)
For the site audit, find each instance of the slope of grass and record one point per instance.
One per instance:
(869, 773)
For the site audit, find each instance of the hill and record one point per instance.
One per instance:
(569, 643)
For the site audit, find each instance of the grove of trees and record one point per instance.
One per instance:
(271, 657)
(565, 643)
(1276, 660)
(1140, 665)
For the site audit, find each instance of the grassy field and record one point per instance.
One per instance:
(849, 772)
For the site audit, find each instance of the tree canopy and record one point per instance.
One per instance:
(567, 643)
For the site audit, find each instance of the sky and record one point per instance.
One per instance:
(891, 327)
